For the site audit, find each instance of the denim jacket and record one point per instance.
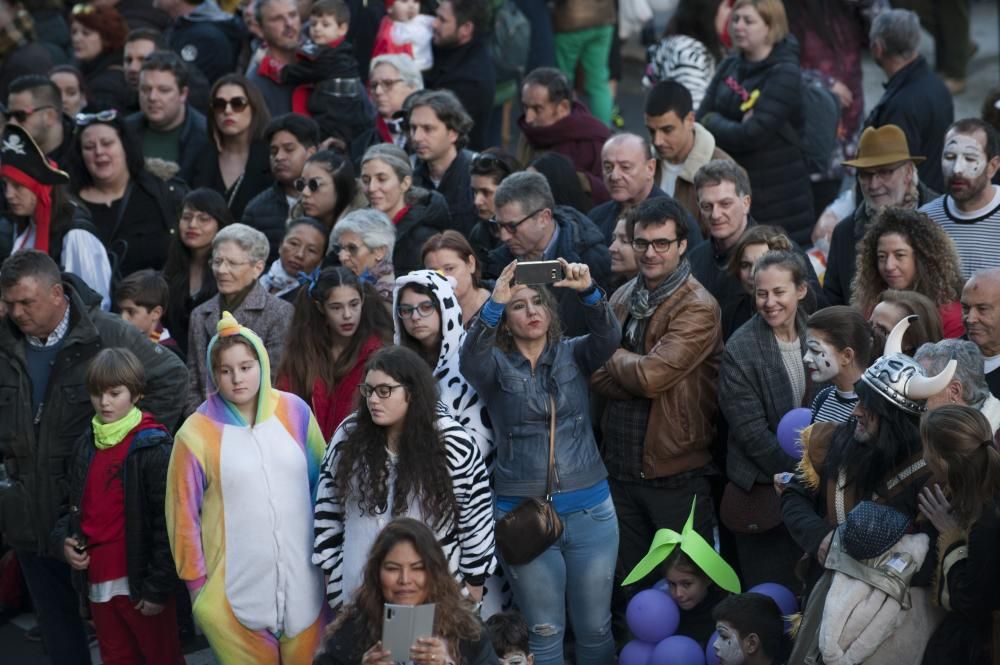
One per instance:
(517, 399)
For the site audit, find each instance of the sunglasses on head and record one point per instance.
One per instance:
(84, 119)
(219, 104)
(312, 184)
(83, 9)
(487, 161)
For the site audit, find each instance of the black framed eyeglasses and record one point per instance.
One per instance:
(486, 162)
(219, 104)
(312, 184)
(511, 227)
(84, 119)
(420, 310)
(21, 115)
(660, 245)
(382, 390)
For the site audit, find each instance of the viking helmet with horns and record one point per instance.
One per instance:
(901, 379)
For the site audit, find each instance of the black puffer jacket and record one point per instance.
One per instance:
(778, 175)
(428, 215)
(105, 79)
(267, 212)
(151, 571)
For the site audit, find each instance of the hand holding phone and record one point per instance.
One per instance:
(538, 272)
(402, 626)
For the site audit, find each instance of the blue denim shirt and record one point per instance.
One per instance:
(517, 399)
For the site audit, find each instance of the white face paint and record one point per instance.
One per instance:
(727, 645)
(963, 158)
(820, 358)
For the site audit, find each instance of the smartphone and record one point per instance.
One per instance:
(538, 272)
(402, 625)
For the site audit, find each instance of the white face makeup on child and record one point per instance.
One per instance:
(820, 358)
(404, 10)
(113, 404)
(728, 649)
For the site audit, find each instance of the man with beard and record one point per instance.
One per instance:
(969, 211)
(876, 457)
(887, 176)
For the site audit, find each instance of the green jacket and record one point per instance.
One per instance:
(38, 460)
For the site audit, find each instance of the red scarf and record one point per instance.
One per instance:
(43, 207)
(398, 217)
(383, 129)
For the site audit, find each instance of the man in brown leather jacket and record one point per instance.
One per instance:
(660, 387)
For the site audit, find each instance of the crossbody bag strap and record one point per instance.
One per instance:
(552, 449)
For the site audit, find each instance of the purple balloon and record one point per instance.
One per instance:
(678, 650)
(662, 585)
(790, 430)
(636, 653)
(785, 599)
(710, 657)
(652, 616)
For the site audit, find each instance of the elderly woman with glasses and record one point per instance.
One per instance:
(238, 256)
(235, 162)
(363, 242)
(134, 211)
(391, 79)
(387, 179)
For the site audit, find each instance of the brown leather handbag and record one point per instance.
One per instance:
(533, 526)
(756, 511)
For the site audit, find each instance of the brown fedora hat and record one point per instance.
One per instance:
(882, 146)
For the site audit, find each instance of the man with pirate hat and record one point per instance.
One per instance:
(854, 499)
(41, 215)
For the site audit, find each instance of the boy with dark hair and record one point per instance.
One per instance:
(509, 635)
(751, 631)
(114, 535)
(326, 73)
(141, 299)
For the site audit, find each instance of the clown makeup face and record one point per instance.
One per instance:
(821, 358)
(964, 164)
(728, 649)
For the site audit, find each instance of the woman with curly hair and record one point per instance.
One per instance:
(339, 322)
(371, 474)
(906, 250)
(407, 567)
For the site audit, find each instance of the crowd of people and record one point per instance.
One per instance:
(272, 358)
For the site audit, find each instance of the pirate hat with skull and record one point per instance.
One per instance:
(20, 153)
(901, 379)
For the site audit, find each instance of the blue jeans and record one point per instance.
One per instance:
(578, 571)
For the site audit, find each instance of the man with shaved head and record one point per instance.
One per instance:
(629, 170)
(981, 316)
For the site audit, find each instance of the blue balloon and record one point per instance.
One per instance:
(790, 430)
(678, 650)
(785, 599)
(662, 585)
(652, 616)
(710, 657)
(636, 653)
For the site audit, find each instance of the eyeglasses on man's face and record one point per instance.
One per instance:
(659, 245)
(511, 227)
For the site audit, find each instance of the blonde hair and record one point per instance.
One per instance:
(773, 13)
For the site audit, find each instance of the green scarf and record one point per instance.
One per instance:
(108, 435)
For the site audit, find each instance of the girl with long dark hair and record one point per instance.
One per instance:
(339, 322)
(372, 473)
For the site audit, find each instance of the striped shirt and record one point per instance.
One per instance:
(976, 234)
(343, 534)
(833, 406)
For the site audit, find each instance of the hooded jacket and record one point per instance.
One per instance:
(239, 504)
(38, 456)
(782, 193)
(460, 398)
(151, 574)
(209, 39)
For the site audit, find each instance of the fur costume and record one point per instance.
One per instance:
(239, 516)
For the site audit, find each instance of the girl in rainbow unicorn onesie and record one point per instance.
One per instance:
(240, 492)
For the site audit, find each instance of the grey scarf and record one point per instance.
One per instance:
(644, 302)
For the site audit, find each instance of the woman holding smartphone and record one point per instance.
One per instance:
(406, 566)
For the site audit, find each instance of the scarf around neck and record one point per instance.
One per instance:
(644, 302)
(109, 435)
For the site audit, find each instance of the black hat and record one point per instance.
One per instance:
(871, 529)
(19, 151)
